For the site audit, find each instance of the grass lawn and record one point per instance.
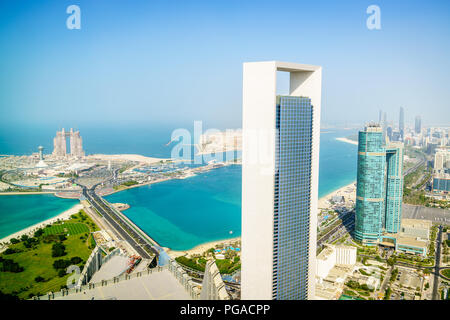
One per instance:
(67, 228)
(38, 260)
(446, 273)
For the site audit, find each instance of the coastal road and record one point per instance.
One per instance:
(142, 247)
(416, 166)
(348, 222)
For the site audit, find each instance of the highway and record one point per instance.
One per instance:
(348, 222)
(417, 166)
(142, 247)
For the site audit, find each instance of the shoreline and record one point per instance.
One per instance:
(347, 141)
(29, 230)
(322, 203)
(200, 248)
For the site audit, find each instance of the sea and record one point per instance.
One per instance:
(179, 214)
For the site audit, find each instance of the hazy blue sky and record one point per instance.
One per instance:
(148, 62)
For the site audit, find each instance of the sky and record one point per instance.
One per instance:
(169, 62)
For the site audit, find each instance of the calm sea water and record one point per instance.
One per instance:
(23, 211)
(179, 214)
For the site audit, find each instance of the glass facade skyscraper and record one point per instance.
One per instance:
(292, 197)
(370, 185)
(401, 123)
(379, 186)
(418, 125)
(394, 187)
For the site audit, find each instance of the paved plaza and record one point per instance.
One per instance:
(435, 215)
(155, 286)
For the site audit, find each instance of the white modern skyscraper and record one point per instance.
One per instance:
(280, 173)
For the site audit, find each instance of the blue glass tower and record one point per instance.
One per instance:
(292, 197)
(394, 187)
(370, 185)
(379, 193)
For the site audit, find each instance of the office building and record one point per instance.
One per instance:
(418, 125)
(60, 144)
(394, 187)
(401, 124)
(379, 194)
(441, 160)
(370, 184)
(280, 181)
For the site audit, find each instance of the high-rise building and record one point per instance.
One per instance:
(280, 181)
(370, 184)
(441, 160)
(401, 124)
(394, 187)
(418, 125)
(76, 144)
(379, 193)
(389, 133)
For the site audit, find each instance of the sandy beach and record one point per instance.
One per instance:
(347, 141)
(30, 230)
(348, 191)
(200, 248)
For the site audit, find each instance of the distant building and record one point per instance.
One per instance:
(418, 125)
(338, 199)
(441, 160)
(389, 133)
(41, 163)
(394, 187)
(441, 171)
(379, 192)
(401, 123)
(76, 144)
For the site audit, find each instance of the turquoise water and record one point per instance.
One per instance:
(23, 211)
(181, 214)
(337, 161)
(178, 214)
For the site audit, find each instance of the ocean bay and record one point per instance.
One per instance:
(181, 214)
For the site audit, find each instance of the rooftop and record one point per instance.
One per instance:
(155, 286)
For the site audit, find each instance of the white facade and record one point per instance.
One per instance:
(345, 255)
(334, 255)
(326, 260)
(258, 170)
